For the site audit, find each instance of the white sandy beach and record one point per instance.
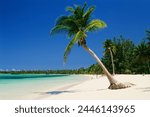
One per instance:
(96, 88)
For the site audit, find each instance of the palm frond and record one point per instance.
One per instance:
(71, 33)
(109, 46)
(114, 49)
(73, 26)
(79, 11)
(65, 24)
(59, 29)
(84, 6)
(71, 9)
(88, 13)
(95, 24)
(78, 35)
(141, 52)
(61, 20)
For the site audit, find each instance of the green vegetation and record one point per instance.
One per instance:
(42, 72)
(129, 58)
(123, 57)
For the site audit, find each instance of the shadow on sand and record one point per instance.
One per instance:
(59, 92)
(102, 89)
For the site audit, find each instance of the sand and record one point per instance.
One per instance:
(96, 88)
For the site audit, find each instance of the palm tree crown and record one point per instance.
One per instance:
(108, 45)
(76, 25)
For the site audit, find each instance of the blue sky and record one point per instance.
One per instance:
(25, 42)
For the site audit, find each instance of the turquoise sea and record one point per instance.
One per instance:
(25, 86)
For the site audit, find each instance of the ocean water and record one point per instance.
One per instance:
(24, 86)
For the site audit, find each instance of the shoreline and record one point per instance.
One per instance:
(94, 87)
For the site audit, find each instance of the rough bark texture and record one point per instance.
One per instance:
(114, 84)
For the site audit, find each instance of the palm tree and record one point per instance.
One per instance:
(110, 48)
(77, 25)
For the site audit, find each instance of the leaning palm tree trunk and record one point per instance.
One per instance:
(114, 84)
(112, 61)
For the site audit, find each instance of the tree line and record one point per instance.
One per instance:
(122, 56)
